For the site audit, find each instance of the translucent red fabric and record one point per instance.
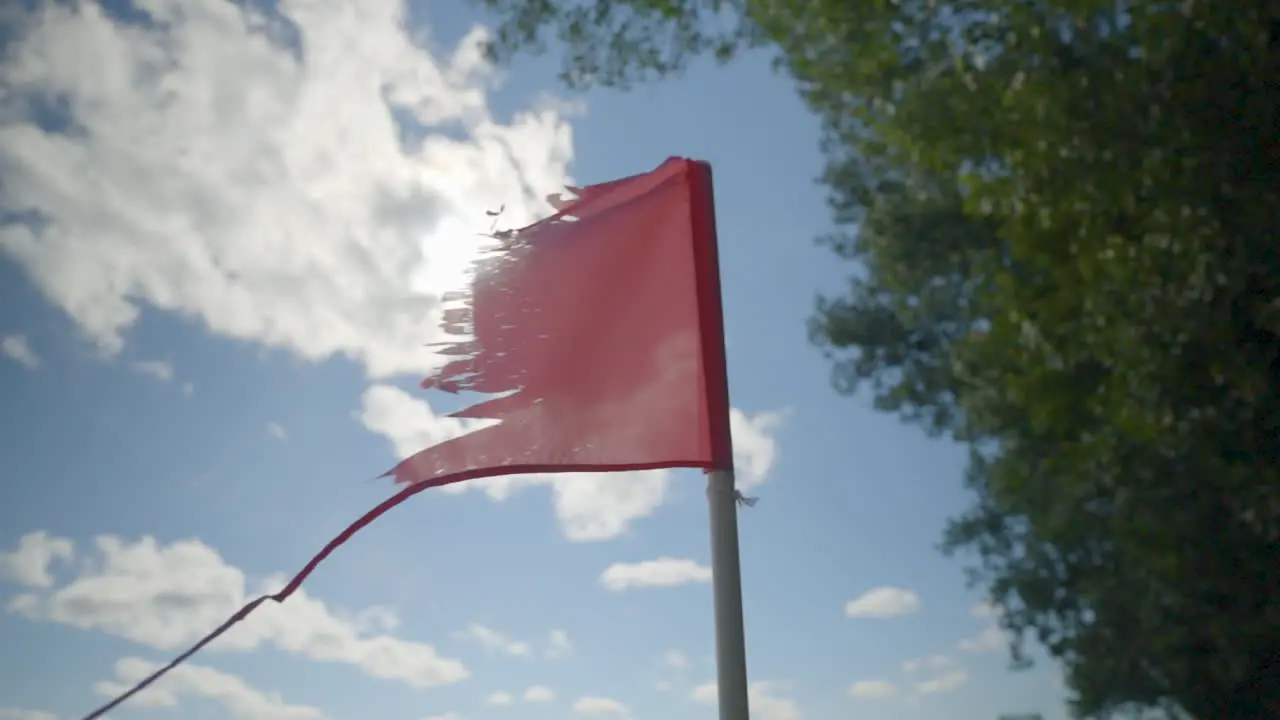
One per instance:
(599, 333)
(601, 326)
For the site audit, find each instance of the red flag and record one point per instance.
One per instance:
(598, 330)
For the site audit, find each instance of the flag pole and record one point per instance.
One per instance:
(726, 581)
(722, 496)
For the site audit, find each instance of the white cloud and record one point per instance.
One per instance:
(539, 694)
(276, 430)
(705, 693)
(241, 700)
(21, 714)
(599, 506)
(754, 447)
(499, 699)
(157, 369)
(993, 639)
(409, 422)
(984, 611)
(168, 596)
(17, 349)
(662, 572)
(491, 639)
(603, 706)
(883, 602)
(872, 689)
(444, 716)
(674, 666)
(675, 659)
(558, 645)
(219, 173)
(589, 506)
(29, 564)
(188, 389)
(943, 683)
(768, 700)
(933, 662)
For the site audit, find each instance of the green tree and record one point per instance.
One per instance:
(1064, 220)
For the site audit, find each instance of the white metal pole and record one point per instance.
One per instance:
(726, 581)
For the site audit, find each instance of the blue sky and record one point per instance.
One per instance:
(211, 302)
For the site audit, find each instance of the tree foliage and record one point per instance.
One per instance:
(1063, 224)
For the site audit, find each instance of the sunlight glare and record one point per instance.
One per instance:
(448, 253)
